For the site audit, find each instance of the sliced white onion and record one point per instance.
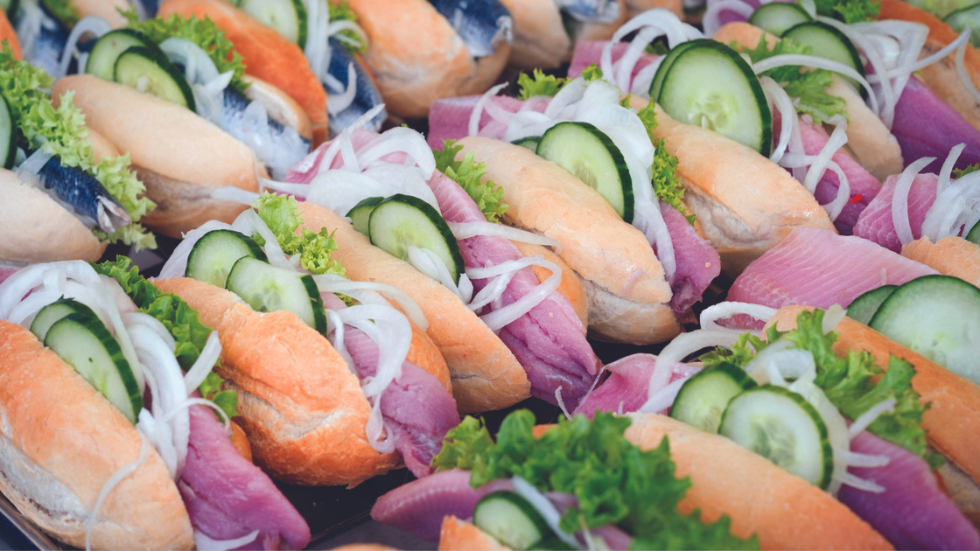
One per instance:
(465, 230)
(501, 317)
(89, 25)
(848, 479)
(131, 319)
(900, 202)
(201, 541)
(723, 310)
(862, 460)
(946, 172)
(818, 63)
(110, 484)
(561, 403)
(955, 210)
(249, 222)
(336, 284)
(663, 398)
(339, 102)
(779, 361)
(964, 74)
(234, 194)
(834, 315)
(868, 417)
(35, 162)
(317, 48)
(430, 264)
(176, 265)
(683, 346)
(784, 104)
(545, 507)
(473, 127)
(964, 38)
(205, 363)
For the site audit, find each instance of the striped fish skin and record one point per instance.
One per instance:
(482, 24)
(275, 146)
(590, 11)
(85, 194)
(50, 44)
(366, 96)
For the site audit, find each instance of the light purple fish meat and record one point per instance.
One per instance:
(588, 52)
(926, 126)
(876, 223)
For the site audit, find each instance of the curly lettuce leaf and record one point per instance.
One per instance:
(850, 11)
(62, 10)
(203, 32)
(61, 131)
(341, 11)
(592, 72)
(614, 481)
(808, 87)
(666, 184)
(468, 173)
(539, 84)
(281, 213)
(178, 317)
(961, 172)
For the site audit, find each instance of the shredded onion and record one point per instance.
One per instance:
(946, 172)
(862, 460)
(684, 345)
(473, 128)
(501, 317)
(202, 541)
(664, 398)
(561, 403)
(834, 315)
(543, 505)
(859, 483)
(964, 74)
(868, 417)
(336, 284)
(465, 230)
(205, 363)
(900, 202)
(88, 25)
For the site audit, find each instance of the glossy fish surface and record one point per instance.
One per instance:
(483, 24)
(276, 146)
(590, 11)
(366, 94)
(86, 194)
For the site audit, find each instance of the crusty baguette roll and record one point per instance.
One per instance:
(570, 286)
(59, 443)
(952, 256)
(540, 39)
(301, 406)
(785, 511)
(871, 143)
(35, 228)
(636, 7)
(746, 204)
(941, 76)
(955, 409)
(179, 156)
(485, 373)
(417, 57)
(628, 294)
(106, 9)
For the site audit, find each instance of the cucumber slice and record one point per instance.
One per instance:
(588, 154)
(864, 307)
(712, 86)
(777, 17)
(942, 8)
(966, 18)
(658, 78)
(215, 254)
(84, 343)
(937, 316)
(7, 149)
(287, 17)
(511, 520)
(828, 43)
(784, 428)
(108, 48)
(268, 288)
(973, 236)
(50, 314)
(150, 71)
(361, 213)
(530, 142)
(401, 221)
(704, 397)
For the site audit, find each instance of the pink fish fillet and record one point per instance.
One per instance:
(588, 52)
(815, 267)
(876, 222)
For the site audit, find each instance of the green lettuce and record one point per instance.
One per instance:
(614, 481)
(179, 318)
(961, 172)
(592, 72)
(467, 173)
(281, 213)
(666, 184)
(850, 11)
(341, 11)
(539, 84)
(848, 382)
(203, 32)
(62, 10)
(61, 131)
(809, 86)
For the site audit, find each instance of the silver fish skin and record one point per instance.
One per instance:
(85, 194)
(482, 24)
(366, 94)
(590, 11)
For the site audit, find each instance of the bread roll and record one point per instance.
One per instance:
(953, 256)
(540, 40)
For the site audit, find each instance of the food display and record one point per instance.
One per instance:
(490, 274)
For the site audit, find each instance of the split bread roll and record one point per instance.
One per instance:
(745, 203)
(629, 297)
(869, 141)
(540, 39)
(952, 256)
(106, 9)
(59, 443)
(417, 57)
(485, 373)
(301, 406)
(179, 156)
(785, 511)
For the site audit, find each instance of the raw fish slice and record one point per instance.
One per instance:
(449, 118)
(588, 52)
(876, 223)
(366, 96)
(698, 263)
(815, 267)
(926, 126)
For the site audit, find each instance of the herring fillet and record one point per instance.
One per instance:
(876, 222)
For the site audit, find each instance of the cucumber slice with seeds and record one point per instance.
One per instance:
(658, 78)
(777, 17)
(287, 17)
(150, 71)
(511, 520)
(864, 307)
(215, 254)
(268, 288)
(783, 427)
(710, 85)
(7, 141)
(704, 397)
(530, 142)
(937, 316)
(52, 313)
(588, 154)
(107, 49)
(828, 43)
(401, 221)
(361, 213)
(973, 236)
(84, 343)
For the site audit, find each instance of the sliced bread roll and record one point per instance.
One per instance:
(953, 256)
(540, 39)
(61, 440)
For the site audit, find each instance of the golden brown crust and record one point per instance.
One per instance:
(34, 228)
(952, 256)
(636, 7)
(106, 9)
(301, 406)
(540, 40)
(459, 535)
(172, 142)
(596, 243)
(485, 373)
(101, 146)
(570, 287)
(783, 509)
(417, 57)
(240, 440)
(955, 409)
(74, 440)
(746, 204)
